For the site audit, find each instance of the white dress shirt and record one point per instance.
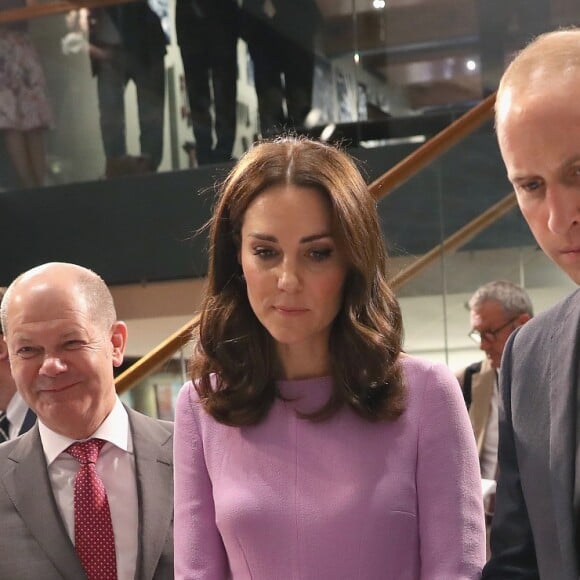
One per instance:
(16, 412)
(116, 468)
(489, 449)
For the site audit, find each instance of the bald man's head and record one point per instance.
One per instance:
(90, 287)
(63, 341)
(548, 65)
(538, 132)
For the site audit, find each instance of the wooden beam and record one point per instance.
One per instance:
(57, 7)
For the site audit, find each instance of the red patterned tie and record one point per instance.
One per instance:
(94, 538)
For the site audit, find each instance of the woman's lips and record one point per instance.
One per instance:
(290, 310)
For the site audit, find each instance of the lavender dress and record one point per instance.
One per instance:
(290, 499)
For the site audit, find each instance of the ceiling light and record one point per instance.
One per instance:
(379, 4)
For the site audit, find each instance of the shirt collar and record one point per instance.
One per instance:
(16, 410)
(114, 429)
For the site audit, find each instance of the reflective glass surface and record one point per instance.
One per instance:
(163, 85)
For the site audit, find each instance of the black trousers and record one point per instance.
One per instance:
(274, 55)
(209, 54)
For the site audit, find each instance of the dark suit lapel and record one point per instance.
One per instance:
(153, 447)
(562, 357)
(26, 481)
(29, 421)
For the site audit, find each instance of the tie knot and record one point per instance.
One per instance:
(86, 452)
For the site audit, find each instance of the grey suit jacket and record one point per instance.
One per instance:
(34, 543)
(533, 530)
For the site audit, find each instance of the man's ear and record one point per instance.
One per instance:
(119, 342)
(3, 348)
(522, 319)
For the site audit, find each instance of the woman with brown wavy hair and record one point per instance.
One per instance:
(307, 445)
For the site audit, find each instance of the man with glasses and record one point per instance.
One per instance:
(495, 310)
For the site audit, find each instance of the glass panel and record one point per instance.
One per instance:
(433, 205)
(156, 394)
(166, 85)
(385, 77)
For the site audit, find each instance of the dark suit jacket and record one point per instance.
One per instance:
(139, 28)
(533, 533)
(34, 543)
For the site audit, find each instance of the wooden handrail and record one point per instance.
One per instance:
(433, 148)
(155, 358)
(456, 240)
(56, 7)
(379, 188)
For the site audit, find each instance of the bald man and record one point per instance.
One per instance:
(536, 522)
(63, 341)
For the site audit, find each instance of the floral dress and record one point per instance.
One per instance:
(24, 103)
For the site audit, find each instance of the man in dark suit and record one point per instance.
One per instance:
(63, 341)
(15, 417)
(535, 526)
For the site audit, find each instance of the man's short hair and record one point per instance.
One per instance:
(552, 56)
(93, 290)
(513, 298)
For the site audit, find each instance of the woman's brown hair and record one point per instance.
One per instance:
(235, 364)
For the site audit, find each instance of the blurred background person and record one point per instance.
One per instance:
(207, 34)
(308, 445)
(25, 111)
(15, 416)
(495, 310)
(127, 42)
(280, 37)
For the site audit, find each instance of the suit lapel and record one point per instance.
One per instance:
(562, 361)
(29, 421)
(154, 468)
(482, 386)
(28, 486)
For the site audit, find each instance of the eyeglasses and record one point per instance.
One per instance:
(489, 335)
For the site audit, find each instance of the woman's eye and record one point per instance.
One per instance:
(321, 254)
(264, 253)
